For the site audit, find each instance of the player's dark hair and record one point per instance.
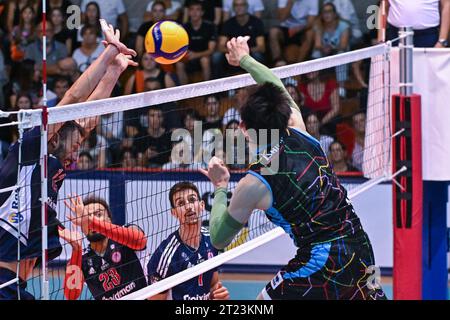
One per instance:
(181, 186)
(64, 132)
(267, 108)
(98, 200)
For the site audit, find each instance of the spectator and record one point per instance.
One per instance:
(296, 96)
(233, 113)
(54, 4)
(90, 49)
(113, 11)
(429, 19)
(24, 102)
(62, 33)
(212, 107)
(57, 61)
(332, 37)
(178, 159)
(158, 13)
(173, 9)
(91, 18)
(155, 141)
(255, 8)
(321, 97)
(243, 24)
(313, 127)
(15, 8)
(338, 158)
(212, 9)
(61, 85)
(297, 19)
(96, 146)
(22, 34)
(26, 79)
(238, 160)
(202, 43)
(128, 159)
(359, 125)
(85, 161)
(346, 11)
(148, 68)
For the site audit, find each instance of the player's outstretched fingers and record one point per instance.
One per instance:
(205, 172)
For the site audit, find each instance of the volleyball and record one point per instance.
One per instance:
(167, 42)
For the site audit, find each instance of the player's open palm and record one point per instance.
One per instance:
(237, 49)
(219, 292)
(113, 37)
(122, 62)
(78, 215)
(73, 237)
(217, 172)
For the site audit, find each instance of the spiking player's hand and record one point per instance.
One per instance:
(237, 49)
(217, 172)
(113, 37)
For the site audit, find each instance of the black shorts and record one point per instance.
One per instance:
(295, 39)
(341, 269)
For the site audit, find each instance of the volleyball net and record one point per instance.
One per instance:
(140, 145)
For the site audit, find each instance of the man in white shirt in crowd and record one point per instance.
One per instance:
(430, 20)
(255, 8)
(297, 19)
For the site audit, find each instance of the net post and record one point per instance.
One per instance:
(408, 193)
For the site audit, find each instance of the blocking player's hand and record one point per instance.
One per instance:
(217, 172)
(219, 292)
(113, 37)
(122, 62)
(73, 237)
(237, 49)
(78, 215)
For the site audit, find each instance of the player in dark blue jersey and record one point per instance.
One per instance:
(293, 182)
(20, 210)
(185, 248)
(110, 265)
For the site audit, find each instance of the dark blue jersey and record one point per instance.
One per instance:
(13, 291)
(115, 274)
(20, 210)
(309, 202)
(173, 256)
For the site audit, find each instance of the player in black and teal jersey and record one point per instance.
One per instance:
(293, 182)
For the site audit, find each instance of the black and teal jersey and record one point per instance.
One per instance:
(309, 202)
